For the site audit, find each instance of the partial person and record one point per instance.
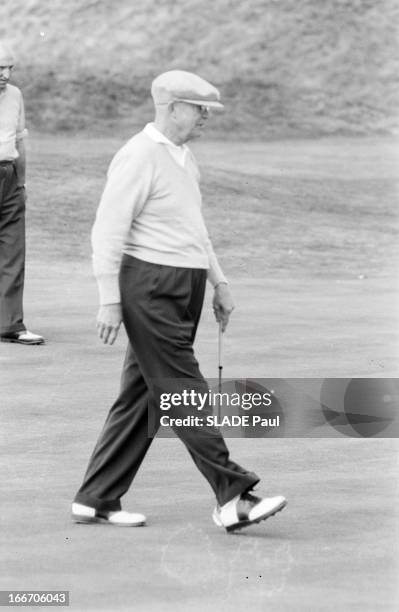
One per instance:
(12, 207)
(152, 257)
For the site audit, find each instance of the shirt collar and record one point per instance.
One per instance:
(179, 153)
(157, 136)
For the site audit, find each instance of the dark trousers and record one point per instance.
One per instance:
(12, 250)
(161, 310)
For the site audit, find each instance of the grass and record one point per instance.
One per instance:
(285, 68)
(261, 225)
(286, 218)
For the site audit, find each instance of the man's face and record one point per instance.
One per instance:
(189, 119)
(5, 74)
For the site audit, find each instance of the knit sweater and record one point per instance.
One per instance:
(150, 209)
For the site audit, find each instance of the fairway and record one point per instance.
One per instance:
(307, 234)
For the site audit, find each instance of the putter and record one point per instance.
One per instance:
(220, 364)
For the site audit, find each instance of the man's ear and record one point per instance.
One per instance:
(172, 109)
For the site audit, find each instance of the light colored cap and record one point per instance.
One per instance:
(182, 86)
(6, 55)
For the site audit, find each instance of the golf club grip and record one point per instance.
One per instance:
(220, 346)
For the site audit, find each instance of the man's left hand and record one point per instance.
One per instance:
(223, 304)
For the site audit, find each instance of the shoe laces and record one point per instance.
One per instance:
(250, 499)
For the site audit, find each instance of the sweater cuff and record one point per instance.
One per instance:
(216, 276)
(21, 135)
(108, 289)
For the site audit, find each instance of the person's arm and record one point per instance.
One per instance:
(223, 304)
(20, 162)
(127, 188)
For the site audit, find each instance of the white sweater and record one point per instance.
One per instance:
(150, 209)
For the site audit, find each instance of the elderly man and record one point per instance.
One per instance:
(12, 207)
(152, 256)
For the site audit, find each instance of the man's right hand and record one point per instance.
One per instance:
(109, 320)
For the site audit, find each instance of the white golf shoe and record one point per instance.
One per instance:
(119, 518)
(23, 337)
(246, 509)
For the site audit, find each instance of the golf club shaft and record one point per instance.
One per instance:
(220, 354)
(220, 364)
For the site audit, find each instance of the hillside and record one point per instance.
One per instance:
(285, 67)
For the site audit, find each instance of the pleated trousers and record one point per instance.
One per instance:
(12, 250)
(161, 309)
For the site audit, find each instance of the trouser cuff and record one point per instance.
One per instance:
(106, 505)
(12, 329)
(237, 488)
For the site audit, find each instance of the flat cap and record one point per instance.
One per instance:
(6, 55)
(182, 86)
